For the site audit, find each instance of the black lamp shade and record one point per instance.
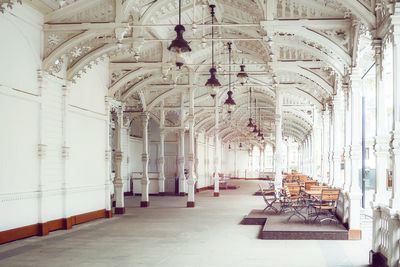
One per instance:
(213, 82)
(242, 75)
(255, 131)
(250, 125)
(179, 45)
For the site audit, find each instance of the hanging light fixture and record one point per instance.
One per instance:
(250, 124)
(242, 75)
(255, 132)
(240, 146)
(259, 127)
(179, 45)
(229, 101)
(229, 147)
(212, 82)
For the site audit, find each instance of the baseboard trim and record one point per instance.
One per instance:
(42, 229)
(128, 194)
(182, 194)
(206, 188)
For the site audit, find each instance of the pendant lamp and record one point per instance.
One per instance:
(229, 101)
(179, 45)
(242, 75)
(250, 124)
(255, 132)
(212, 82)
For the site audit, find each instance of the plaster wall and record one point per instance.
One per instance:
(52, 161)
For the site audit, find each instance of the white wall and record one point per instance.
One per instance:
(52, 157)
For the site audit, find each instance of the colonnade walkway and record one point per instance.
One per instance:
(169, 234)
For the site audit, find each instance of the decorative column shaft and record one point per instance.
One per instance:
(161, 159)
(325, 144)
(331, 136)
(337, 140)
(118, 184)
(355, 194)
(314, 134)
(181, 163)
(217, 147)
(107, 182)
(65, 154)
(191, 179)
(395, 142)
(161, 164)
(145, 161)
(278, 140)
(347, 138)
(382, 138)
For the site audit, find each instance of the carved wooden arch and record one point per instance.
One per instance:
(308, 74)
(333, 63)
(72, 42)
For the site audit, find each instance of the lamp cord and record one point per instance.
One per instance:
(179, 12)
(229, 48)
(212, 36)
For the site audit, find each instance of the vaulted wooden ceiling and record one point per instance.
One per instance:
(303, 48)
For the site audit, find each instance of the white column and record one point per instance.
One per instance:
(161, 164)
(107, 182)
(161, 159)
(331, 136)
(235, 161)
(347, 144)
(65, 157)
(278, 140)
(314, 145)
(382, 138)
(355, 194)
(216, 156)
(145, 161)
(191, 179)
(337, 140)
(181, 163)
(206, 162)
(325, 144)
(395, 142)
(118, 184)
(311, 154)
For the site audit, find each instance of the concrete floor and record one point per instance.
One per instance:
(169, 234)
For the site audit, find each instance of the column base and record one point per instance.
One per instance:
(119, 210)
(144, 204)
(190, 204)
(182, 194)
(67, 223)
(43, 229)
(109, 214)
(216, 194)
(161, 194)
